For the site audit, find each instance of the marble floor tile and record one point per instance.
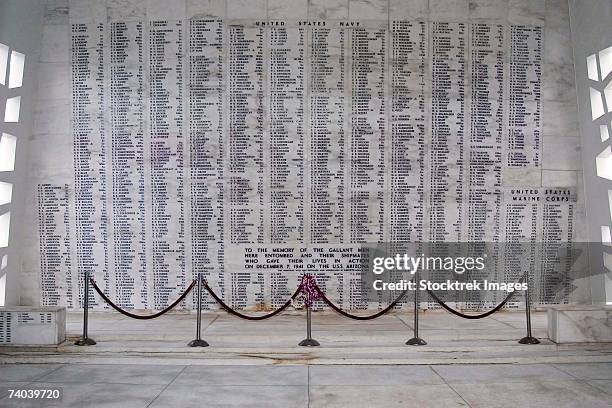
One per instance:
(187, 396)
(447, 321)
(588, 371)
(479, 385)
(25, 372)
(422, 396)
(114, 373)
(243, 375)
(372, 375)
(604, 385)
(558, 394)
(494, 373)
(517, 320)
(91, 395)
(7, 385)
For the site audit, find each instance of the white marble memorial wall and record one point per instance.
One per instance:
(173, 138)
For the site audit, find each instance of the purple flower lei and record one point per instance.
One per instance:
(309, 291)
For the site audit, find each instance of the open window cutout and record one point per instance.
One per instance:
(610, 203)
(5, 223)
(605, 62)
(607, 261)
(6, 192)
(603, 163)
(603, 132)
(592, 67)
(608, 95)
(11, 114)
(8, 145)
(4, 52)
(606, 239)
(597, 108)
(16, 69)
(3, 265)
(2, 289)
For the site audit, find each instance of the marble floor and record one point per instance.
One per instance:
(475, 363)
(476, 385)
(451, 340)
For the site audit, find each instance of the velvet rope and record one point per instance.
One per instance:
(141, 317)
(473, 317)
(247, 317)
(357, 317)
(310, 292)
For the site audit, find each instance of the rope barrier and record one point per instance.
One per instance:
(141, 317)
(309, 292)
(473, 317)
(247, 317)
(357, 317)
(304, 286)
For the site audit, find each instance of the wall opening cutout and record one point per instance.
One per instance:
(6, 192)
(592, 67)
(603, 131)
(603, 163)
(4, 52)
(608, 95)
(605, 62)
(597, 108)
(610, 203)
(3, 265)
(5, 223)
(8, 145)
(16, 69)
(11, 114)
(606, 239)
(2, 289)
(607, 261)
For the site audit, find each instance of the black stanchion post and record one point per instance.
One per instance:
(198, 342)
(309, 341)
(529, 339)
(85, 340)
(416, 340)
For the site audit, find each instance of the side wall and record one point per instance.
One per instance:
(591, 27)
(20, 29)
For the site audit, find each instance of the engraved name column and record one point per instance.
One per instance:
(57, 281)
(484, 175)
(167, 141)
(286, 74)
(286, 173)
(525, 93)
(522, 234)
(327, 135)
(408, 130)
(368, 132)
(207, 147)
(127, 152)
(367, 126)
(447, 151)
(327, 145)
(486, 132)
(246, 167)
(558, 208)
(90, 147)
